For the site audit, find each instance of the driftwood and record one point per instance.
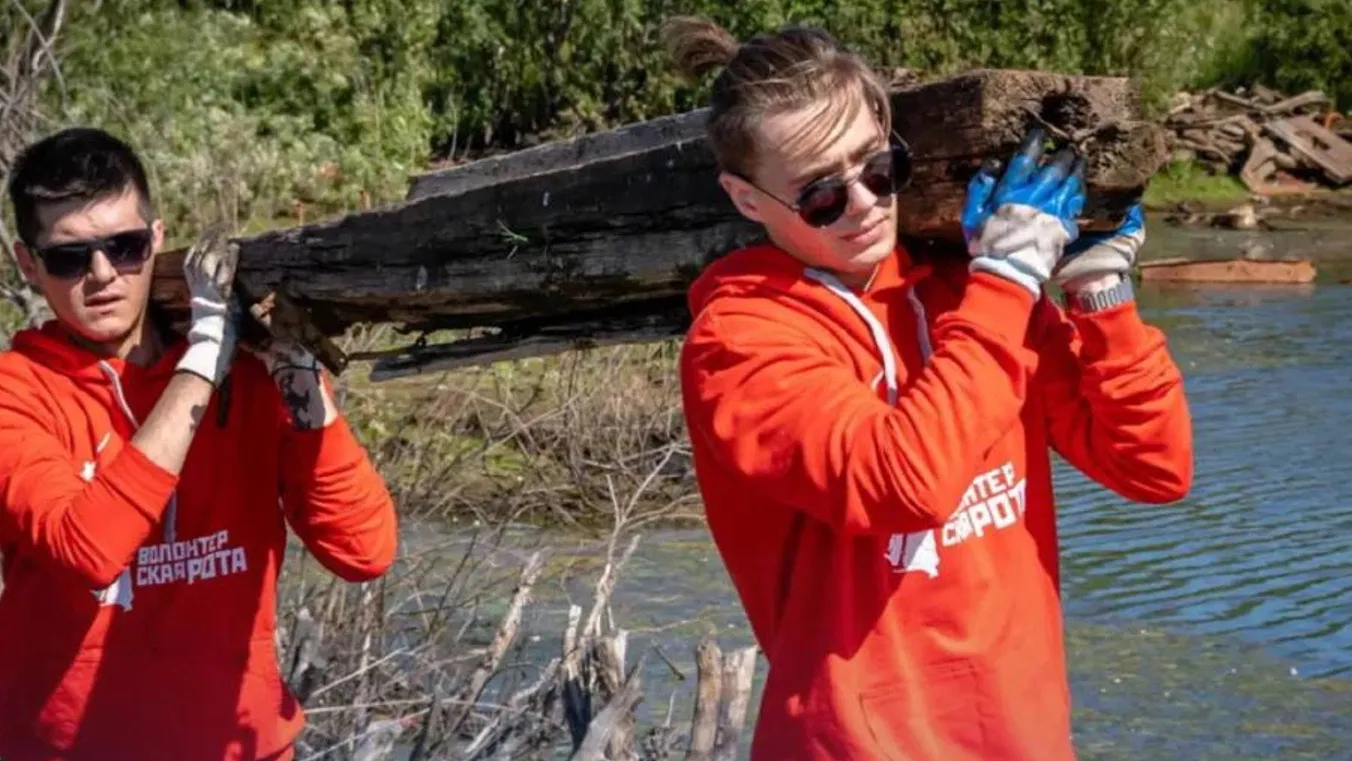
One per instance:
(1229, 271)
(583, 699)
(594, 240)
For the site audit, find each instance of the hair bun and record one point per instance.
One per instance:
(697, 45)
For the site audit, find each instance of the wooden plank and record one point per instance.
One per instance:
(607, 230)
(1227, 271)
(954, 124)
(1319, 146)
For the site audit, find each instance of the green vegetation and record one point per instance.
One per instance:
(249, 109)
(1189, 181)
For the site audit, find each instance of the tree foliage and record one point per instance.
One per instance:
(246, 107)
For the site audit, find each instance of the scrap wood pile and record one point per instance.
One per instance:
(1267, 139)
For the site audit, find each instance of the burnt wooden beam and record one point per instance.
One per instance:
(563, 236)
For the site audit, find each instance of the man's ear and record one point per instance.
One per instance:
(28, 264)
(156, 235)
(743, 195)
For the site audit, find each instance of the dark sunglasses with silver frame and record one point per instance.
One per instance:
(125, 250)
(824, 201)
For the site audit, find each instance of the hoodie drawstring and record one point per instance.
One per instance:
(880, 337)
(170, 527)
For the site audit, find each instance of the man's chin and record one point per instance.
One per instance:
(868, 257)
(108, 331)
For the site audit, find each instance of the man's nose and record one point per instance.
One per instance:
(861, 198)
(100, 269)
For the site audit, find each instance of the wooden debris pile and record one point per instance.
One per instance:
(1269, 140)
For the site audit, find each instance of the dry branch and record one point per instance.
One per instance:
(392, 695)
(30, 61)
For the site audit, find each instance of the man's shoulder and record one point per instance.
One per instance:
(17, 367)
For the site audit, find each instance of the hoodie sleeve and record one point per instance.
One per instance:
(90, 528)
(336, 501)
(769, 403)
(1115, 403)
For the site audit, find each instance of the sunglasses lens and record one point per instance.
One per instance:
(877, 175)
(823, 203)
(67, 260)
(127, 248)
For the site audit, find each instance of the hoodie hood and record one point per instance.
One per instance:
(52, 346)
(768, 272)
(765, 269)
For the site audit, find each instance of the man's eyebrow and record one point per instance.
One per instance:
(812, 174)
(821, 170)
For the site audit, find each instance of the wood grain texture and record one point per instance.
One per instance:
(573, 234)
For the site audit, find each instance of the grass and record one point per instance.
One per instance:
(1187, 181)
(544, 440)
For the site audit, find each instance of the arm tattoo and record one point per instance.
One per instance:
(195, 415)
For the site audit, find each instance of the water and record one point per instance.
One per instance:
(1217, 628)
(1261, 550)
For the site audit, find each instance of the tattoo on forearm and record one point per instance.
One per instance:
(196, 414)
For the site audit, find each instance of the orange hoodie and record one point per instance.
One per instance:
(138, 611)
(875, 470)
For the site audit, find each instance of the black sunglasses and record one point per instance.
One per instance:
(125, 250)
(824, 201)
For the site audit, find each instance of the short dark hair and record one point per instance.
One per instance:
(79, 163)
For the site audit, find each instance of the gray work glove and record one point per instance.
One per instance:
(209, 269)
(1097, 255)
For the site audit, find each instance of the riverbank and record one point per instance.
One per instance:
(1211, 629)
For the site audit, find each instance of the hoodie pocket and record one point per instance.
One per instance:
(935, 718)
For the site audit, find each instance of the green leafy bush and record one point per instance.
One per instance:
(248, 108)
(1297, 45)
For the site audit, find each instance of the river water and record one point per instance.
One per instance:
(1217, 628)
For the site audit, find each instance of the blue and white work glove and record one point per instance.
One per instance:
(209, 269)
(1017, 225)
(1102, 258)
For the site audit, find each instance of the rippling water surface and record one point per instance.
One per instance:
(1262, 550)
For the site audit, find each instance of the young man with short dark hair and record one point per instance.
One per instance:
(142, 519)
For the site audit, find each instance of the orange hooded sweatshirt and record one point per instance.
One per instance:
(138, 611)
(875, 470)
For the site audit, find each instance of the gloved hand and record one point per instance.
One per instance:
(209, 269)
(289, 355)
(1017, 226)
(283, 349)
(1097, 256)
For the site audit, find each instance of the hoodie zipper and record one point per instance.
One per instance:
(170, 524)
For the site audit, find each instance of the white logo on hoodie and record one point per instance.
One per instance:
(994, 501)
(916, 551)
